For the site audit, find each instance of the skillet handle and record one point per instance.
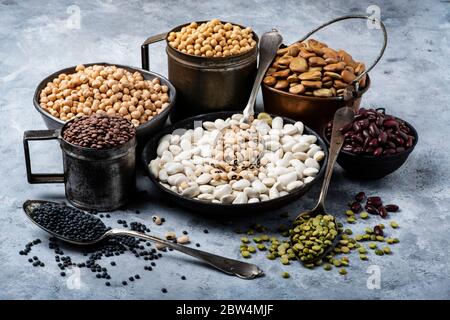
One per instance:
(145, 55)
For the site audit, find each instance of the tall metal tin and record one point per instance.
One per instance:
(206, 84)
(102, 180)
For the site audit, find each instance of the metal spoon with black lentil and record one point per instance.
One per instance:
(99, 232)
(342, 117)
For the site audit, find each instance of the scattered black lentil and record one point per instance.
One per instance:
(205, 231)
(164, 290)
(113, 246)
(197, 245)
(183, 278)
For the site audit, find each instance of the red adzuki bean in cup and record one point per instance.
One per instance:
(375, 133)
(99, 131)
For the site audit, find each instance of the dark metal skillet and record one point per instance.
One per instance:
(216, 209)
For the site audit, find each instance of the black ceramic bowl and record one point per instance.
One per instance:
(143, 132)
(371, 167)
(216, 209)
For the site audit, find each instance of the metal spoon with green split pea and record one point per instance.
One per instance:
(237, 268)
(342, 117)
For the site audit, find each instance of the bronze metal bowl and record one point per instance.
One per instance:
(314, 112)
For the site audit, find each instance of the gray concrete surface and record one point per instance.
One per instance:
(411, 81)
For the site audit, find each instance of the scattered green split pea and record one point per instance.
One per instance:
(394, 224)
(364, 215)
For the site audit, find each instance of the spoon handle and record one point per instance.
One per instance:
(268, 47)
(342, 117)
(233, 267)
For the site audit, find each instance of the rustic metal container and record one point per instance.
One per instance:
(102, 180)
(316, 112)
(206, 84)
(144, 132)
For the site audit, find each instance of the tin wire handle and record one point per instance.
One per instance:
(383, 28)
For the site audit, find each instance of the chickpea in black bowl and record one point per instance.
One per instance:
(376, 144)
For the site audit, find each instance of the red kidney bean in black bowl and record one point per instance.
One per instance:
(376, 144)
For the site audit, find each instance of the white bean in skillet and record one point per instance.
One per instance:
(229, 162)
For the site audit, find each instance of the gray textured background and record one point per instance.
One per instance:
(411, 81)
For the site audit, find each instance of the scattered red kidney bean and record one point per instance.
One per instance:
(360, 196)
(391, 208)
(371, 209)
(374, 133)
(355, 207)
(374, 201)
(378, 231)
(382, 212)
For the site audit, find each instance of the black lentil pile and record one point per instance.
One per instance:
(98, 258)
(69, 222)
(99, 131)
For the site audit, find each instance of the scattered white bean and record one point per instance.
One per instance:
(183, 239)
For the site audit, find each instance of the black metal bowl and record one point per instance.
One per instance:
(143, 132)
(371, 167)
(149, 153)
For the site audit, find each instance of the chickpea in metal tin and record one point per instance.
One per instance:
(212, 39)
(104, 90)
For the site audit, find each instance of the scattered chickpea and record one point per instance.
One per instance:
(104, 89)
(212, 39)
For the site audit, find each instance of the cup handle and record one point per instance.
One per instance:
(40, 177)
(145, 57)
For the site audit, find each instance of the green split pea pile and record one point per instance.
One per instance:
(311, 236)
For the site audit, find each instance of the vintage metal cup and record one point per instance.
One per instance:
(206, 84)
(102, 180)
